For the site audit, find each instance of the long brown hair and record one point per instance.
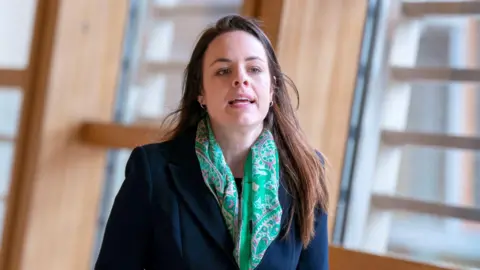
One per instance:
(305, 174)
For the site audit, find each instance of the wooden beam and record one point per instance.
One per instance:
(424, 74)
(6, 138)
(400, 138)
(436, 8)
(110, 135)
(251, 8)
(344, 259)
(61, 178)
(320, 52)
(11, 77)
(388, 203)
(270, 13)
(164, 67)
(161, 12)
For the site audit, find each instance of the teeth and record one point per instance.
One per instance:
(241, 100)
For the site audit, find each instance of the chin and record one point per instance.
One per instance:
(238, 120)
(246, 121)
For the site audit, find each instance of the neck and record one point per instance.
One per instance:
(236, 144)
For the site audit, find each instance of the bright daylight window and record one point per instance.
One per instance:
(412, 178)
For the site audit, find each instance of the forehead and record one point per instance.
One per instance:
(234, 45)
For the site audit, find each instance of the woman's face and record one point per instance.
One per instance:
(237, 86)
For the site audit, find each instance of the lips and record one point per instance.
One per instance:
(241, 100)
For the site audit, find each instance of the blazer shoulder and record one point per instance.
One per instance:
(159, 155)
(157, 151)
(155, 160)
(172, 149)
(150, 157)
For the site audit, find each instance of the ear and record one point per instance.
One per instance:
(274, 86)
(200, 99)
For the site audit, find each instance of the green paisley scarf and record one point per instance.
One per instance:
(254, 219)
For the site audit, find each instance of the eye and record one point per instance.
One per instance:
(255, 69)
(222, 71)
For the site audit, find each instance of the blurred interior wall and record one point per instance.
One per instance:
(318, 44)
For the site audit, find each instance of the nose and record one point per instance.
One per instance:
(240, 80)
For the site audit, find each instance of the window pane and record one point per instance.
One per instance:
(6, 161)
(448, 42)
(10, 109)
(16, 28)
(200, 2)
(444, 108)
(165, 48)
(173, 38)
(159, 95)
(419, 237)
(440, 175)
(2, 219)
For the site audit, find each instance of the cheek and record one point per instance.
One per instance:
(209, 90)
(214, 99)
(263, 92)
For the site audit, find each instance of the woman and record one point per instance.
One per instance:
(235, 186)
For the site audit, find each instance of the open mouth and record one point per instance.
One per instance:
(241, 101)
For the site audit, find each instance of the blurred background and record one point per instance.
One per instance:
(388, 92)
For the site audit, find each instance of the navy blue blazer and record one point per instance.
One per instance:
(165, 217)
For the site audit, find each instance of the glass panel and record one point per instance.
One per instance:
(198, 2)
(173, 39)
(418, 237)
(168, 40)
(448, 176)
(16, 29)
(449, 42)
(10, 110)
(451, 109)
(448, 108)
(159, 96)
(6, 162)
(2, 219)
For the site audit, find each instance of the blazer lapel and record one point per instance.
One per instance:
(188, 180)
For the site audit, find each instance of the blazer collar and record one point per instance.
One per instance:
(188, 180)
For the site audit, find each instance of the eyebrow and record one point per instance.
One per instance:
(226, 60)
